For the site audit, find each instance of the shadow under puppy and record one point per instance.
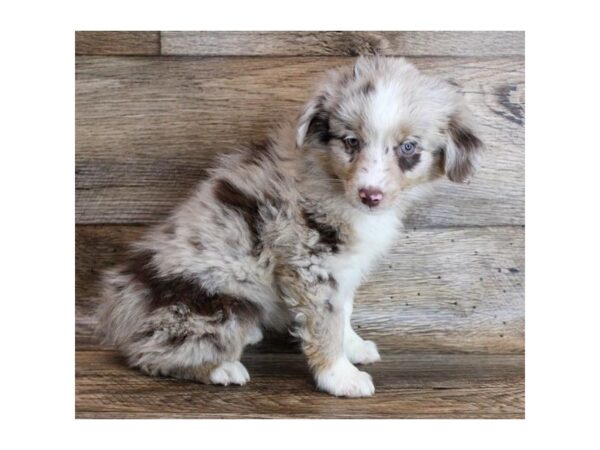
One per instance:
(281, 234)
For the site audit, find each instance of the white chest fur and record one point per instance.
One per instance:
(374, 234)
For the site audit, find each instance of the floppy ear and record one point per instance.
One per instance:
(463, 149)
(313, 123)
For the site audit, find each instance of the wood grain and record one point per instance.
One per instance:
(343, 43)
(446, 307)
(407, 386)
(454, 290)
(146, 128)
(117, 43)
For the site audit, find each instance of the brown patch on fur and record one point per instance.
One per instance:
(467, 143)
(437, 168)
(179, 291)
(328, 234)
(246, 205)
(463, 137)
(319, 128)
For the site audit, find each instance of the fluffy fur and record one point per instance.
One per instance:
(281, 234)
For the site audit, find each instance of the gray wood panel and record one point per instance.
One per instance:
(407, 386)
(146, 128)
(440, 290)
(117, 43)
(446, 307)
(343, 43)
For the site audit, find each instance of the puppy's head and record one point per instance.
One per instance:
(381, 127)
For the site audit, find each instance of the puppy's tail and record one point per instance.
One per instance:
(120, 309)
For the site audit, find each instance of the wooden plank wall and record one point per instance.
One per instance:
(152, 110)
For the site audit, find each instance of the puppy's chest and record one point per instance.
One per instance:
(369, 238)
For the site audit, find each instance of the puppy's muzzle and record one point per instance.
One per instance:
(370, 196)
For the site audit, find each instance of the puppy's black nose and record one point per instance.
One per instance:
(370, 196)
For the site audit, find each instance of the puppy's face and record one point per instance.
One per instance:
(381, 127)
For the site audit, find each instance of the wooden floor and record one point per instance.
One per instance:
(446, 307)
(408, 386)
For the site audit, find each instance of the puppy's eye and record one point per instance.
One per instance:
(408, 148)
(351, 142)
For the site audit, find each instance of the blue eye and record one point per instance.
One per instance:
(351, 142)
(407, 148)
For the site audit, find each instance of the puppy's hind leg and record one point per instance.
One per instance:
(224, 373)
(194, 347)
(229, 372)
(194, 361)
(233, 371)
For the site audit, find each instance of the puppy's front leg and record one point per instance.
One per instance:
(333, 370)
(358, 350)
(320, 323)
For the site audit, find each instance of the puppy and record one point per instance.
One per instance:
(280, 235)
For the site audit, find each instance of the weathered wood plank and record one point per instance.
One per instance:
(407, 386)
(440, 290)
(117, 43)
(146, 128)
(343, 43)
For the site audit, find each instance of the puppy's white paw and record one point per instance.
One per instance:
(230, 372)
(344, 380)
(362, 352)
(254, 336)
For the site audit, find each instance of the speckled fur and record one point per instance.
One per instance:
(277, 237)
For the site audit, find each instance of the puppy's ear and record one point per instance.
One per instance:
(463, 148)
(313, 125)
